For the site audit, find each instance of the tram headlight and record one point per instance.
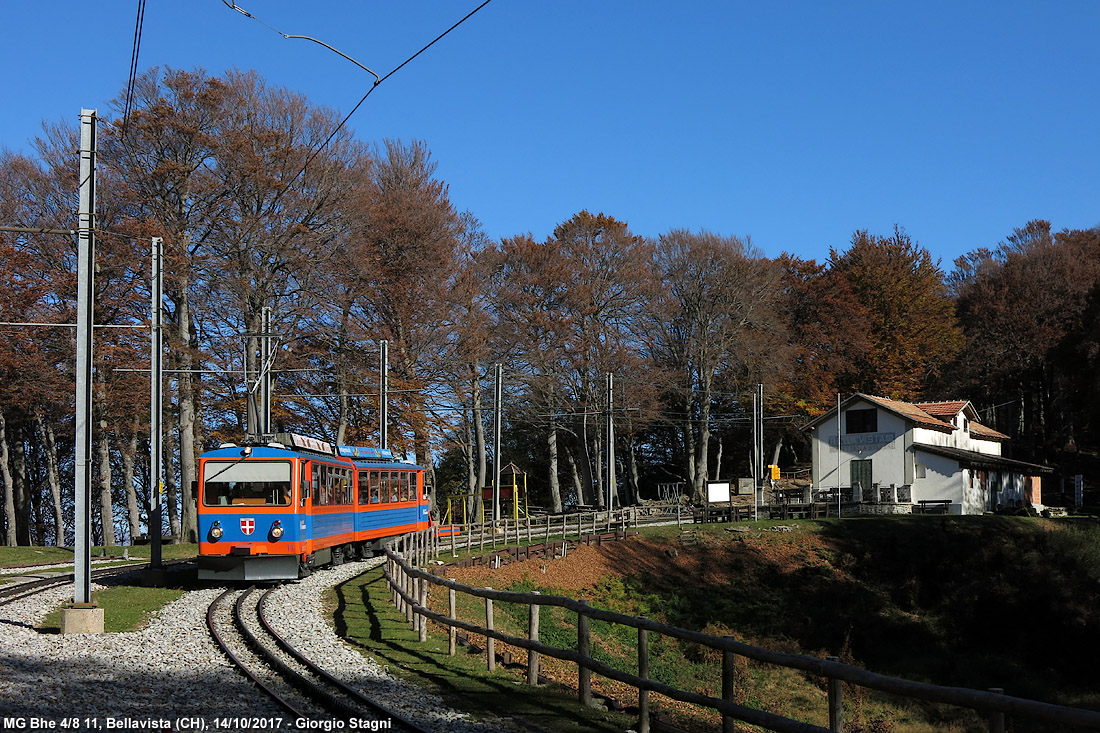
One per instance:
(216, 530)
(276, 529)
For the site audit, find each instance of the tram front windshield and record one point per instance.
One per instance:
(257, 483)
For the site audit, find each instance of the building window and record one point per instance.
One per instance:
(920, 471)
(861, 421)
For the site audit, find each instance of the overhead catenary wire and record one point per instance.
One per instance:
(378, 80)
(242, 11)
(132, 81)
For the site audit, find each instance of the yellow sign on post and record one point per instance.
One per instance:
(775, 471)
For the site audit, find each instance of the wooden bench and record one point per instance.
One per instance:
(933, 506)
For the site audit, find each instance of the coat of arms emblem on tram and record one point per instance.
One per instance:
(248, 526)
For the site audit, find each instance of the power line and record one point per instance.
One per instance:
(378, 80)
(133, 66)
(242, 11)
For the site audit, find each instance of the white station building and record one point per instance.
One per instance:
(926, 456)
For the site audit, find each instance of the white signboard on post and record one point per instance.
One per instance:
(718, 491)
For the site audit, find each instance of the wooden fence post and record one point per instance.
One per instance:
(729, 687)
(490, 642)
(453, 553)
(399, 585)
(584, 648)
(996, 717)
(414, 591)
(533, 635)
(400, 588)
(643, 672)
(836, 703)
(452, 632)
(423, 604)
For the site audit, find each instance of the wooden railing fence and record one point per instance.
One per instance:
(409, 585)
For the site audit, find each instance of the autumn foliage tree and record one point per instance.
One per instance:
(905, 309)
(717, 329)
(1028, 312)
(265, 201)
(829, 332)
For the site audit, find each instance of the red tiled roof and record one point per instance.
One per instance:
(925, 414)
(981, 432)
(942, 409)
(913, 412)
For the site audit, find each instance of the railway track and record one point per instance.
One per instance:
(239, 625)
(17, 590)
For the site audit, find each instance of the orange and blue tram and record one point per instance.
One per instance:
(274, 511)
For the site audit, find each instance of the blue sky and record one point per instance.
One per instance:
(795, 123)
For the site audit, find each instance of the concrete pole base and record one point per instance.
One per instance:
(83, 619)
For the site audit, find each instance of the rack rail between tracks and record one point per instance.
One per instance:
(409, 584)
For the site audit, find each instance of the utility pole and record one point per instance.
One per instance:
(383, 393)
(84, 616)
(839, 448)
(498, 417)
(760, 433)
(610, 442)
(156, 404)
(265, 370)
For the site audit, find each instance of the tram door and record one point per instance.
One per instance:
(307, 491)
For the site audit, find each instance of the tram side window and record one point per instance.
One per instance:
(402, 485)
(375, 491)
(341, 486)
(364, 491)
(384, 483)
(324, 490)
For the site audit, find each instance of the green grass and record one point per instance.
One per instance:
(365, 617)
(125, 607)
(11, 557)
